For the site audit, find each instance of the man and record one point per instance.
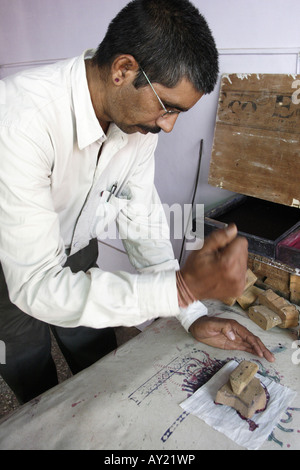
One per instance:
(77, 143)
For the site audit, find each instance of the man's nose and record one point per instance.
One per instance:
(167, 122)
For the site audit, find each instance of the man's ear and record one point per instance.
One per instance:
(124, 68)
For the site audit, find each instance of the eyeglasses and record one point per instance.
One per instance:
(166, 112)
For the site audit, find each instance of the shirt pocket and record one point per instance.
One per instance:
(106, 213)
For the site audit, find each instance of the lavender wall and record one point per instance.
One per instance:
(259, 36)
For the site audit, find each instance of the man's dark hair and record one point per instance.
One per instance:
(169, 39)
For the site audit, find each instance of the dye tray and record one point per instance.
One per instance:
(263, 223)
(288, 249)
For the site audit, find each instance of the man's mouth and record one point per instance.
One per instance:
(147, 129)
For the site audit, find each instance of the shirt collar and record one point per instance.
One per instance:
(87, 125)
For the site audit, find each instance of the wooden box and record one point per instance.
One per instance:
(288, 249)
(256, 155)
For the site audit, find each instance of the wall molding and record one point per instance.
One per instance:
(31, 63)
(267, 51)
(234, 51)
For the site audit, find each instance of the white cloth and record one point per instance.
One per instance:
(53, 191)
(250, 434)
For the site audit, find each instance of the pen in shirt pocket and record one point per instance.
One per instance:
(113, 190)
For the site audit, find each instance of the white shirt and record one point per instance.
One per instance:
(53, 200)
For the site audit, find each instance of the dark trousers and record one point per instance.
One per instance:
(29, 369)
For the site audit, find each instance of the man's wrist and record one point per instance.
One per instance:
(185, 297)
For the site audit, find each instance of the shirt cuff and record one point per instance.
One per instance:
(188, 315)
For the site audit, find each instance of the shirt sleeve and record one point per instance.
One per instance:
(145, 231)
(32, 254)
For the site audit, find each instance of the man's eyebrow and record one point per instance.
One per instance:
(175, 106)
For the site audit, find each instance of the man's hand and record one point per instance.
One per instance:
(218, 270)
(228, 334)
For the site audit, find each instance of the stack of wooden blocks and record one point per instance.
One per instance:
(270, 309)
(243, 391)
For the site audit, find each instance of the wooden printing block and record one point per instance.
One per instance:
(242, 375)
(290, 315)
(264, 317)
(249, 395)
(250, 281)
(295, 289)
(252, 398)
(279, 285)
(248, 297)
(287, 312)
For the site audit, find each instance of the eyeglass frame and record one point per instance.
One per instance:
(166, 112)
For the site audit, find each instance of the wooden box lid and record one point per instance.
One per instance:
(256, 148)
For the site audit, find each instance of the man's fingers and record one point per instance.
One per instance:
(255, 343)
(260, 348)
(241, 338)
(229, 334)
(220, 238)
(238, 245)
